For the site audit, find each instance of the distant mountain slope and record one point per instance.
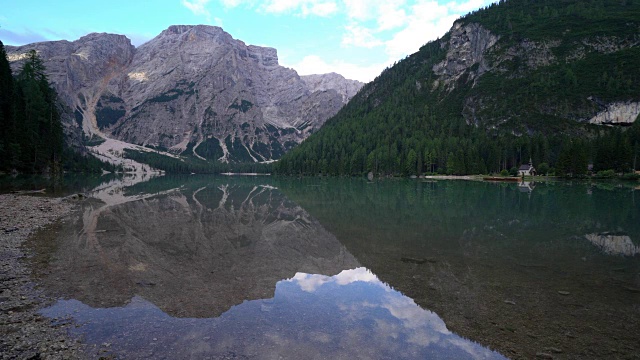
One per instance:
(517, 80)
(332, 81)
(192, 90)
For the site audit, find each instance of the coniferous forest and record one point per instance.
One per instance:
(408, 121)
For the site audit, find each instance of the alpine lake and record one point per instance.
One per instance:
(266, 267)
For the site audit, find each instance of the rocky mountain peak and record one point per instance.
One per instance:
(333, 81)
(193, 89)
(178, 29)
(211, 40)
(196, 33)
(102, 37)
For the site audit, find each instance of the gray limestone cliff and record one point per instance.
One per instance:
(332, 81)
(473, 51)
(467, 46)
(192, 90)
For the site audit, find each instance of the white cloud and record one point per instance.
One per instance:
(402, 26)
(409, 27)
(360, 274)
(360, 36)
(428, 11)
(467, 6)
(391, 15)
(231, 3)
(321, 8)
(423, 27)
(360, 9)
(311, 282)
(324, 9)
(313, 64)
(427, 21)
(198, 7)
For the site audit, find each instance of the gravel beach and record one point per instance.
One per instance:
(25, 334)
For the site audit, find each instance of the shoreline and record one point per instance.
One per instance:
(24, 333)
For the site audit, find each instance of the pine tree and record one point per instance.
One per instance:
(39, 137)
(6, 100)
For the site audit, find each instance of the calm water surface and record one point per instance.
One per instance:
(267, 268)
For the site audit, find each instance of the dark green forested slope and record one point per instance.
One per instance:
(551, 66)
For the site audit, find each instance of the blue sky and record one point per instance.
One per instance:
(356, 38)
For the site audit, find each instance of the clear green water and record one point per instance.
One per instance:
(220, 267)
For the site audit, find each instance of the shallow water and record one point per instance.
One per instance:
(220, 267)
(59, 186)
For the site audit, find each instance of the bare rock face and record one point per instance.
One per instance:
(618, 113)
(467, 46)
(332, 81)
(191, 90)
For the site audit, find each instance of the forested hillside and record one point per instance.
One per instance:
(555, 81)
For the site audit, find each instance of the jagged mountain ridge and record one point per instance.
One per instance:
(192, 90)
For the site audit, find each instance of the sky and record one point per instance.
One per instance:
(355, 38)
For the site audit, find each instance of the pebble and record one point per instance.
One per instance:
(564, 293)
(542, 355)
(33, 336)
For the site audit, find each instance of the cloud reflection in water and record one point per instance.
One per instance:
(346, 316)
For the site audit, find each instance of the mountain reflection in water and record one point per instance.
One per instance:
(522, 272)
(195, 270)
(193, 252)
(346, 316)
(614, 244)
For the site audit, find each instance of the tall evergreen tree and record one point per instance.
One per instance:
(6, 99)
(31, 136)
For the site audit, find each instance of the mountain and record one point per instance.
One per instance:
(265, 238)
(332, 81)
(552, 81)
(192, 90)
